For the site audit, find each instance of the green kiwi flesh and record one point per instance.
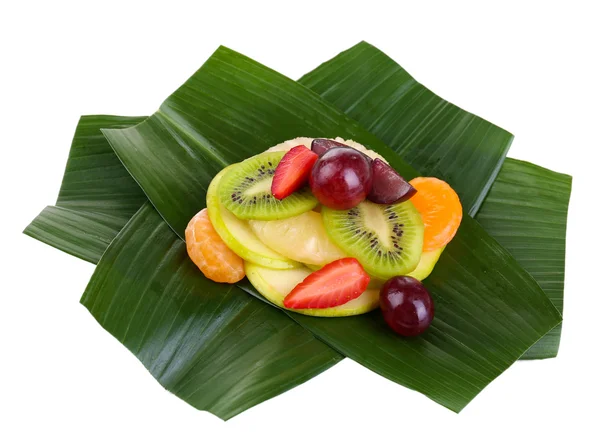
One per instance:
(386, 239)
(245, 190)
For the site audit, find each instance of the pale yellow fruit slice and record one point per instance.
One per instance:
(237, 234)
(291, 143)
(301, 238)
(426, 264)
(361, 148)
(275, 285)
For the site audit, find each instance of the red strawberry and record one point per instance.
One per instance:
(335, 284)
(293, 171)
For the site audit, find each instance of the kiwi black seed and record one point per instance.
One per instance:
(245, 190)
(386, 239)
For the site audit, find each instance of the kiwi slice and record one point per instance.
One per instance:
(237, 234)
(386, 239)
(245, 190)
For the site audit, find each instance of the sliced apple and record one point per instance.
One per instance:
(302, 238)
(275, 285)
(238, 235)
(426, 264)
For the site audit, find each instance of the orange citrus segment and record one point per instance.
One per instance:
(208, 251)
(440, 209)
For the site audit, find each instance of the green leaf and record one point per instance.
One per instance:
(209, 138)
(82, 234)
(97, 196)
(72, 227)
(102, 198)
(70, 231)
(440, 139)
(434, 136)
(526, 211)
(210, 344)
(485, 318)
(94, 179)
(489, 310)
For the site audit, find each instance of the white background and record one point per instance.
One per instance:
(529, 67)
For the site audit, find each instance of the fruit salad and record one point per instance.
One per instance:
(326, 227)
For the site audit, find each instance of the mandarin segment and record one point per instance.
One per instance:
(208, 251)
(440, 209)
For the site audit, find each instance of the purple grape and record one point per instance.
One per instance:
(406, 305)
(341, 178)
(388, 186)
(321, 145)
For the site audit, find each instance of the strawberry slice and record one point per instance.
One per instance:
(335, 284)
(293, 171)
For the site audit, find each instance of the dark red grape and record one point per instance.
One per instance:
(341, 178)
(388, 186)
(406, 305)
(321, 145)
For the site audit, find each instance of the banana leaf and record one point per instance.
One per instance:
(526, 211)
(97, 196)
(79, 226)
(70, 230)
(92, 172)
(86, 231)
(96, 200)
(67, 232)
(490, 311)
(440, 139)
(434, 136)
(212, 345)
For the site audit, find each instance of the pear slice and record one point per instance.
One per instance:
(238, 235)
(275, 285)
(426, 264)
(302, 238)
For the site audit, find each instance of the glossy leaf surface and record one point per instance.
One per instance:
(208, 343)
(490, 310)
(526, 212)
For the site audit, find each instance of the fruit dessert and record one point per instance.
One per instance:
(326, 227)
